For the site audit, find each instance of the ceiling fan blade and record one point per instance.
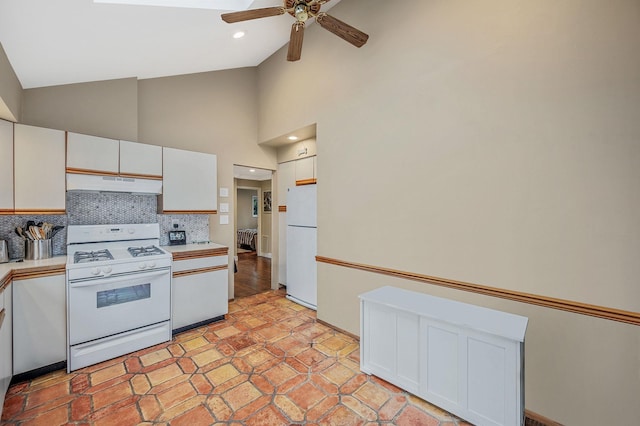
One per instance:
(342, 30)
(295, 42)
(245, 15)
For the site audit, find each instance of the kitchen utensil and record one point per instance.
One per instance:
(20, 232)
(56, 229)
(4, 251)
(33, 232)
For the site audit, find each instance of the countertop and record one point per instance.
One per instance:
(8, 270)
(191, 251)
(58, 263)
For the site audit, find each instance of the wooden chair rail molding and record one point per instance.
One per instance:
(532, 299)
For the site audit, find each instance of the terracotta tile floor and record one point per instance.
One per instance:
(270, 363)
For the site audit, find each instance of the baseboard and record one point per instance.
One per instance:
(338, 329)
(32, 374)
(534, 419)
(198, 324)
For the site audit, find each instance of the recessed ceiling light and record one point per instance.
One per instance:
(238, 34)
(252, 170)
(293, 138)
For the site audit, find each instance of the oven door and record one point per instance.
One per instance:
(103, 307)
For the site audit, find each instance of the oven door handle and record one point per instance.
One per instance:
(104, 281)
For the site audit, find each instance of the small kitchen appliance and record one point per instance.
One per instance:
(118, 291)
(177, 238)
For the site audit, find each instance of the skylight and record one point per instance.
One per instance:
(194, 4)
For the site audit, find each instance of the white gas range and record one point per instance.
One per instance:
(118, 291)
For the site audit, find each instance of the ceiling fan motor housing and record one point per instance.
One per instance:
(301, 9)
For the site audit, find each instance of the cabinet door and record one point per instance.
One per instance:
(6, 369)
(139, 159)
(286, 179)
(189, 181)
(92, 154)
(39, 161)
(305, 171)
(39, 323)
(6, 167)
(199, 296)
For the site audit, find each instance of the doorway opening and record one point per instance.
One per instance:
(252, 248)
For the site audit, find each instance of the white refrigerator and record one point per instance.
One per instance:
(302, 245)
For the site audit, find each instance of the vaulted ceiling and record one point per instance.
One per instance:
(58, 42)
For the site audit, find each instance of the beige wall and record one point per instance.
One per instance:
(243, 209)
(212, 112)
(10, 90)
(104, 108)
(492, 142)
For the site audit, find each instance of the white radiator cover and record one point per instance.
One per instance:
(466, 359)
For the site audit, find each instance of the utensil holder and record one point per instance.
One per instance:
(38, 249)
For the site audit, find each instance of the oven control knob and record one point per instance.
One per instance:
(152, 264)
(107, 269)
(95, 271)
(142, 266)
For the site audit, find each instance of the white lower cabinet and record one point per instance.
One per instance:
(200, 290)
(6, 368)
(39, 322)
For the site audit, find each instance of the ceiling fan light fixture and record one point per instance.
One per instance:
(302, 12)
(239, 34)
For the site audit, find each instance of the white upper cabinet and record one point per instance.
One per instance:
(140, 160)
(305, 170)
(97, 155)
(189, 182)
(92, 154)
(39, 161)
(286, 179)
(6, 167)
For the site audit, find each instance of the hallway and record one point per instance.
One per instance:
(253, 275)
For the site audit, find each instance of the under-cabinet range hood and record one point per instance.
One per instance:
(95, 183)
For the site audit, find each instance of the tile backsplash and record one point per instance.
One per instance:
(8, 225)
(88, 208)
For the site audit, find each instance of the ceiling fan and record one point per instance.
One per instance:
(302, 10)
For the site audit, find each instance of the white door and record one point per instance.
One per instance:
(301, 264)
(301, 206)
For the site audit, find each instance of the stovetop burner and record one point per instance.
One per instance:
(91, 256)
(144, 251)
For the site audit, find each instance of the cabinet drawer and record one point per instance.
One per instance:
(199, 263)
